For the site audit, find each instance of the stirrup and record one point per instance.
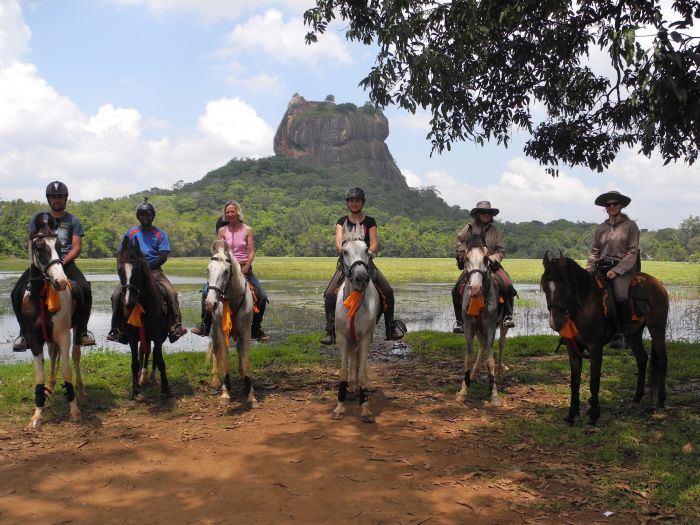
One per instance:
(200, 330)
(114, 335)
(458, 327)
(328, 339)
(20, 344)
(617, 341)
(87, 339)
(508, 321)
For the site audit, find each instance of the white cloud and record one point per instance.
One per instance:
(212, 10)
(412, 179)
(283, 42)
(260, 83)
(14, 33)
(420, 121)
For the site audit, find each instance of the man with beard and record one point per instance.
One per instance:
(70, 233)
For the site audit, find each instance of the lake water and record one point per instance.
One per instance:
(297, 307)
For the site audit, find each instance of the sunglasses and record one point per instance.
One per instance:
(610, 204)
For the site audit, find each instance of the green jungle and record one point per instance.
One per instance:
(292, 207)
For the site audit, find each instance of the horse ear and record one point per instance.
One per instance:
(125, 243)
(562, 259)
(545, 259)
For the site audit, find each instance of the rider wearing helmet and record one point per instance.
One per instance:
(155, 246)
(70, 232)
(355, 200)
(482, 226)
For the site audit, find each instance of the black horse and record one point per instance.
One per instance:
(143, 305)
(578, 311)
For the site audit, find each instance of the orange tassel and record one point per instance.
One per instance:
(476, 303)
(135, 317)
(569, 330)
(226, 323)
(352, 303)
(53, 300)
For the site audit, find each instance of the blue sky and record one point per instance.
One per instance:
(118, 96)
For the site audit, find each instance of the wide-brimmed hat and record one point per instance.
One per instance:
(611, 195)
(483, 206)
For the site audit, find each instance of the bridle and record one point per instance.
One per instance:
(221, 293)
(347, 270)
(35, 260)
(566, 310)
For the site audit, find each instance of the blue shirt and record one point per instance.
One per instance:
(152, 242)
(68, 226)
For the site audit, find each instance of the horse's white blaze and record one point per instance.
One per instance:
(128, 271)
(55, 272)
(552, 286)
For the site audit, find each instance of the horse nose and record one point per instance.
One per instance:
(210, 301)
(474, 289)
(361, 281)
(60, 284)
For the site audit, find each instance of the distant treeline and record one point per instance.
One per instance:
(293, 207)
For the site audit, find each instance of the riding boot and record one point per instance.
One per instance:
(329, 336)
(204, 326)
(623, 324)
(508, 313)
(20, 344)
(458, 327)
(256, 330)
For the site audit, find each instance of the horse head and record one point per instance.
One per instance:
(219, 271)
(563, 283)
(45, 250)
(476, 264)
(355, 258)
(133, 269)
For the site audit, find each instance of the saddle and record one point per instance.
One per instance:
(637, 294)
(496, 281)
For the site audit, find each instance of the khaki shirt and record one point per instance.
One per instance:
(619, 241)
(492, 236)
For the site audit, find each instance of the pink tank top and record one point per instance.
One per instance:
(238, 241)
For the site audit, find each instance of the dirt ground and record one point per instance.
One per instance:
(426, 460)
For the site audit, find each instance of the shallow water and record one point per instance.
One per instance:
(297, 307)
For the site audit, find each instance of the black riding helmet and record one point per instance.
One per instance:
(145, 206)
(355, 192)
(56, 188)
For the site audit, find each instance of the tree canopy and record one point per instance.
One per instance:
(481, 66)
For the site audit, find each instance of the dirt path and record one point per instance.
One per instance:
(427, 461)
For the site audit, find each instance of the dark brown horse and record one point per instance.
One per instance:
(47, 316)
(143, 306)
(577, 310)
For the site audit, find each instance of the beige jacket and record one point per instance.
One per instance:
(618, 241)
(492, 237)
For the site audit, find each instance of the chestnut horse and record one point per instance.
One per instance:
(143, 304)
(577, 310)
(47, 315)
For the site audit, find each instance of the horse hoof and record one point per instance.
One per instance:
(460, 397)
(166, 395)
(496, 401)
(367, 419)
(75, 418)
(253, 405)
(34, 424)
(337, 415)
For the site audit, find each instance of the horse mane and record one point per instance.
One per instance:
(578, 281)
(220, 249)
(358, 234)
(129, 252)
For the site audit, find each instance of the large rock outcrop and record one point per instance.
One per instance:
(328, 134)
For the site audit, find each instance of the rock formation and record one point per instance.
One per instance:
(329, 134)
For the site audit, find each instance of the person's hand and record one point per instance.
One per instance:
(244, 268)
(611, 275)
(462, 254)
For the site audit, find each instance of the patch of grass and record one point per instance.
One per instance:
(438, 270)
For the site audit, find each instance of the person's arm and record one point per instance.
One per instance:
(251, 249)
(339, 231)
(76, 248)
(498, 253)
(373, 240)
(160, 261)
(460, 242)
(629, 260)
(594, 256)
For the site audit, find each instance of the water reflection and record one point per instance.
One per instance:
(297, 307)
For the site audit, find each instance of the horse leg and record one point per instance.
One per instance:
(339, 411)
(575, 362)
(39, 392)
(243, 349)
(55, 360)
(466, 380)
(135, 365)
(353, 368)
(596, 365)
(159, 361)
(640, 355)
(226, 388)
(143, 362)
(499, 362)
(79, 386)
(363, 380)
(479, 355)
(659, 364)
(495, 401)
(65, 347)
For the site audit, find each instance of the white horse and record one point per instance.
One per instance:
(231, 304)
(47, 316)
(481, 314)
(356, 313)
